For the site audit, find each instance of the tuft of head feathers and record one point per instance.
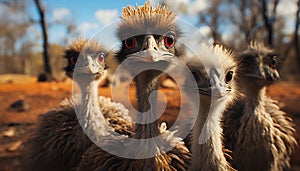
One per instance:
(213, 57)
(146, 9)
(259, 47)
(222, 60)
(146, 20)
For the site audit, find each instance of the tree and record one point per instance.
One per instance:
(43, 24)
(269, 17)
(13, 26)
(244, 16)
(212, 18)
(296, 36)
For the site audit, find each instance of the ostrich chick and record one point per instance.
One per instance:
(259, 134)
(148, 39)
(213, 74)
(58, 141)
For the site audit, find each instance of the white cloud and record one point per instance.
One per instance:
(106, 16)
(60, 13)
(205, 31)
(178, 6)
(197, 6)
(2, 8)
(287, 9)
(86, 27)
(190, 7)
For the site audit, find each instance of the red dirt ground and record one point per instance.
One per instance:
(15, 126)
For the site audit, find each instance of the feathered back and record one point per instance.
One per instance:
(145, 19)
(74, 50)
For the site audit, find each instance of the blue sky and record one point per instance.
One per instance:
(90, 16)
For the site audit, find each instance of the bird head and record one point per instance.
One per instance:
(257, 66)
(89, 62)
(148, 35)
(73, 52)
(214, 71)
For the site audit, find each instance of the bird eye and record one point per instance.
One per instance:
(100, 57)
(273, 62)
(73, 60)
(169, 40)
(228, 77)
(130, 42)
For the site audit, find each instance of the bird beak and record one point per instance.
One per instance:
(214, 87)
(150, 55)
(91, 68)
(150, 52)
(83, 70)
(271, 74)
(218, 89)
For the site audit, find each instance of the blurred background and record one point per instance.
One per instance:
(34, 34)
(233, 22)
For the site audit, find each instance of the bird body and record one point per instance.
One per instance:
(213, 72)
(148, 39)
(259, 134)
(59, 141)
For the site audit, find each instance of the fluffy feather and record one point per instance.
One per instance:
(206, 137)
(59, 142)
(145, 19)
(259, 134)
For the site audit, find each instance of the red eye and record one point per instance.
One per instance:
(169, 40)
(273, 62)
(100, 57)
(73, 60)
(130, 42)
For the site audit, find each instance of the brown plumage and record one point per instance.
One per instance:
(142, 32)
(259, 134)
(213, 72)
(58, 141)
(97, 159)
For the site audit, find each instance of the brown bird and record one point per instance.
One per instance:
(213, 72)
(148, 39)
(59, 141)
(259, 134)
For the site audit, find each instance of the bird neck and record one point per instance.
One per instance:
(254, 100)
(90, 116)
(207, 147)
(146, 84)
